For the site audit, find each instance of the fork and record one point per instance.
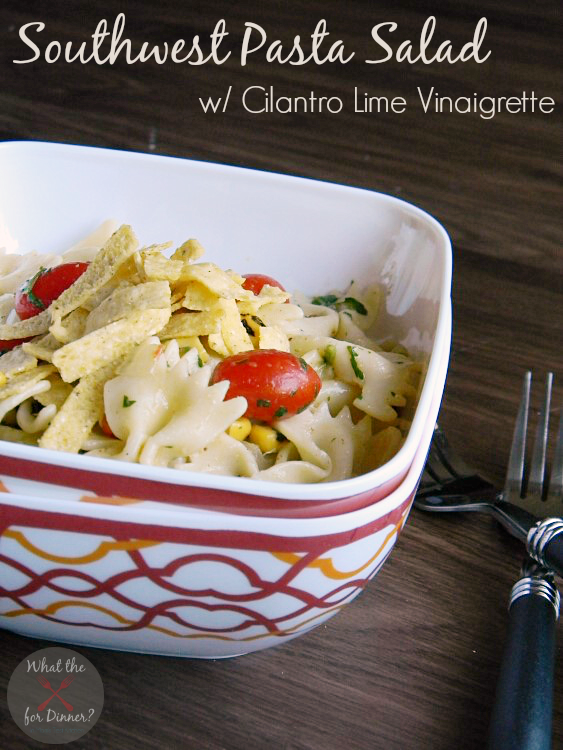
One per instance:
(522, 713)
(449, 485)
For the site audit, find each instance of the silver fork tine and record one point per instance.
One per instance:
(451, 461)
(555, 492)
(539, 452)
(435, 466)
(515, 471)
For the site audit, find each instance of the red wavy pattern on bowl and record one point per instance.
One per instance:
(136, 536)
(108, 485)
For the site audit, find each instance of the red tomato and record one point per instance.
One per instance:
(275, 384)
(7, 344)
(106, 429)
(255, 281)
(38, 293)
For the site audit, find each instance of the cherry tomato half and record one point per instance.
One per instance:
(275, 384)
(48, 284)
(106, 429)
(255, 281)
(7, 344)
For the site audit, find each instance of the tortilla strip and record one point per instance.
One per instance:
(83, 408)
(218, 282)
(57, 393)
(23, 328)
(113, 254)
(16, 361)
(71, 328)
(198, 297)
(150, 295)
(188, 251)
(19, 383)
(152, 265)
(42, 348)
(182, 325)
(99, 348)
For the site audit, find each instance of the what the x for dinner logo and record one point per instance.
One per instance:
(41, 703)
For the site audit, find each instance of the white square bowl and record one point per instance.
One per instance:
(205, 560)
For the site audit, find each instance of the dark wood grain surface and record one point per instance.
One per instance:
(412, 663)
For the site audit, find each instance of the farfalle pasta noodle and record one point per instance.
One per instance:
(120, 366)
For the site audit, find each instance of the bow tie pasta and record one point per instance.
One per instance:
(154, 356)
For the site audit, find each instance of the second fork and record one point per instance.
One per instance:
(449, 486)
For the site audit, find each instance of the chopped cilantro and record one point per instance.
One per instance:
(303, 364)
(280, 412)
(263, 402)
(339, 304)
(328, 300)
(354, 362)
(329, 354)
(199, 361)
(351, 303)
(127, 402)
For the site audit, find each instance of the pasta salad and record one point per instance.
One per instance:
(152, 355)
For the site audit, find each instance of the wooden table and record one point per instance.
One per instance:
(412, 663)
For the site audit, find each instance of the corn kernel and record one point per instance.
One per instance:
(240, 428)
(266, 438)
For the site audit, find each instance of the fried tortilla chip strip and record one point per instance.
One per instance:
(99, 348)
(57, 393)
(268, 295)
(182, 325)
(189, 251)
(20, 383)
(152, 265)
(42, 348)
(198, 297)
(34, 326)
(153, 295)
(16, 361)
(71, 328)
(82, 409)
(272, 338)
(216, 280)
(233, 331)
(114, 253)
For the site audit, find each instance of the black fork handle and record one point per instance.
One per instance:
(553, 554)
(545, 543)
(522, 714)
